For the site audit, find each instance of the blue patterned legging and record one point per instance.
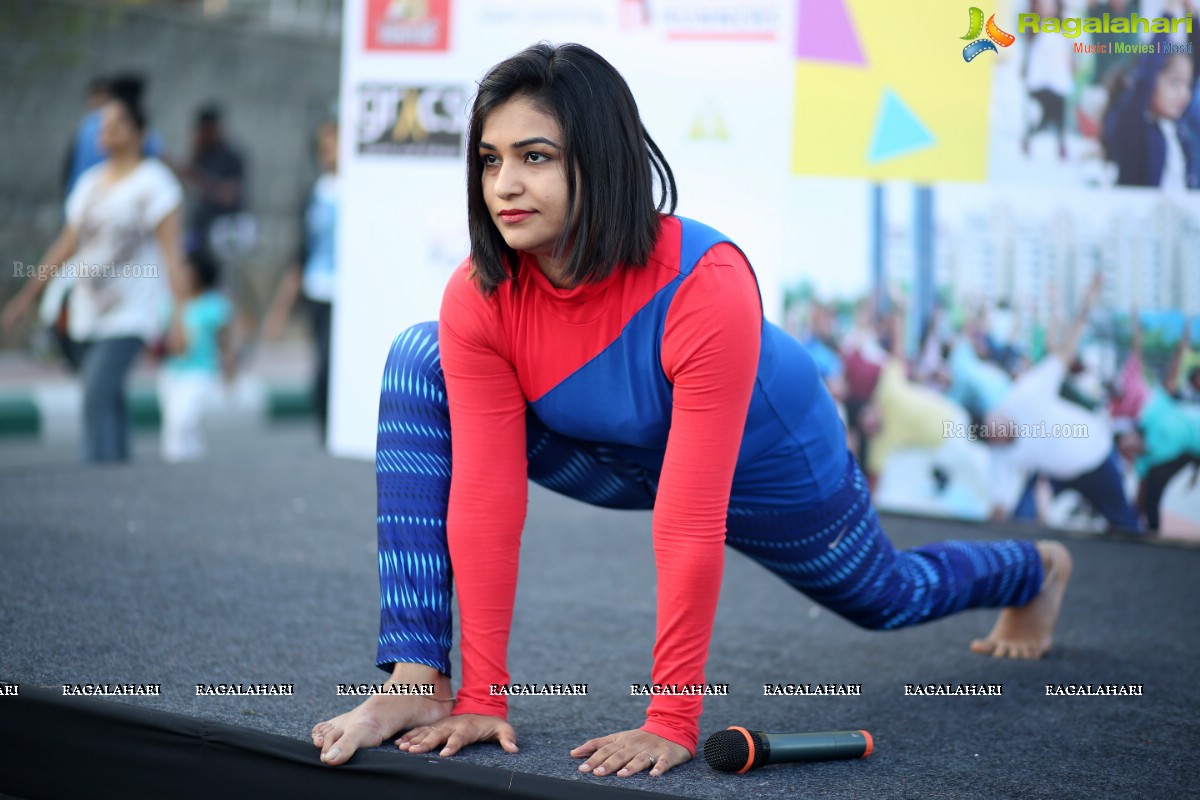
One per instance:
(835, 553)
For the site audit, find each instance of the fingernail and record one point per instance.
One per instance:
(599, 771)
(655, 772)
(334, 753)
(622, 772)
(584, 767)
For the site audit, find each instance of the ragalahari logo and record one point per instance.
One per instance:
(995, 36)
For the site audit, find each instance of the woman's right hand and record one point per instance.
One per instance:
(456, 732)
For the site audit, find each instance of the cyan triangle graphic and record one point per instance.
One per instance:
(898, 132)
(824, 32)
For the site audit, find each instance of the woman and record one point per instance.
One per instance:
(618, 356)
(122, 232)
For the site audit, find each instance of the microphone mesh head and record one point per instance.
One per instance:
(728, 751)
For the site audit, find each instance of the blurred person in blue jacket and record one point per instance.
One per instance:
(314, 270)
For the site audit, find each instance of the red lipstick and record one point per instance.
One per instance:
(514, 215)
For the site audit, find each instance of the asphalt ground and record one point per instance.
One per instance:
(258, 566)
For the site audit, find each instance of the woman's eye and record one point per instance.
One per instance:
(489, 160)
(537, 158)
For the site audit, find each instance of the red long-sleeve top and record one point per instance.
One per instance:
(502, 353)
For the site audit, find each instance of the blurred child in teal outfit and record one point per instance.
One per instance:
(198, 347)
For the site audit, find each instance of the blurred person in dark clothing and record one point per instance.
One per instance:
(216, 176)
(219, 226)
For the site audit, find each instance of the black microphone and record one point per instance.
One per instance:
(739, 750)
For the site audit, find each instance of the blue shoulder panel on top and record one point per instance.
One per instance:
(698, 239)
(622, 396)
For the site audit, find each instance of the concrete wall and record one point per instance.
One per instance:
(275, 87)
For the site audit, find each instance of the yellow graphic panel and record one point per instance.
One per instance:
(900, 101)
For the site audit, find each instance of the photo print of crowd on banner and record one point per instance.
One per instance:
(978, 166)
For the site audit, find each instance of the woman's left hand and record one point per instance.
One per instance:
(456, 732)
(629, 752)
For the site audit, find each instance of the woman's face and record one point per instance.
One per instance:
(1173, 90)
(117, 131)
(525, 179)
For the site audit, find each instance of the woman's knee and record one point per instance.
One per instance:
(868, 605)
(414, 353)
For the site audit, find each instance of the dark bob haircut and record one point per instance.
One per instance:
(610, 160)
(127, 91)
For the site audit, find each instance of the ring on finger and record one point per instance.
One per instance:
(653, 758)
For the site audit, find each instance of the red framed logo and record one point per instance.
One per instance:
(408, 25)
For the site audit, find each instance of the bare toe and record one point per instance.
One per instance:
(329, 743)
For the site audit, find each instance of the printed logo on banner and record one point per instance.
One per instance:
(995, 36)
(405, 120)
(408, 25)
(705, 20)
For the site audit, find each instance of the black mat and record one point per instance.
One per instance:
(259, 566)
(121, 751)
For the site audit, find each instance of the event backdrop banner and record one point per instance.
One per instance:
(981, 159)
(711, 81)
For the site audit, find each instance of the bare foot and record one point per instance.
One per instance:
(382, 716)
(1027, 631)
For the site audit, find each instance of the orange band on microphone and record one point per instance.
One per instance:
(749, 745)
(870, 744)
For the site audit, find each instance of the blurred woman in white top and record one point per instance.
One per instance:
(122, 244)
